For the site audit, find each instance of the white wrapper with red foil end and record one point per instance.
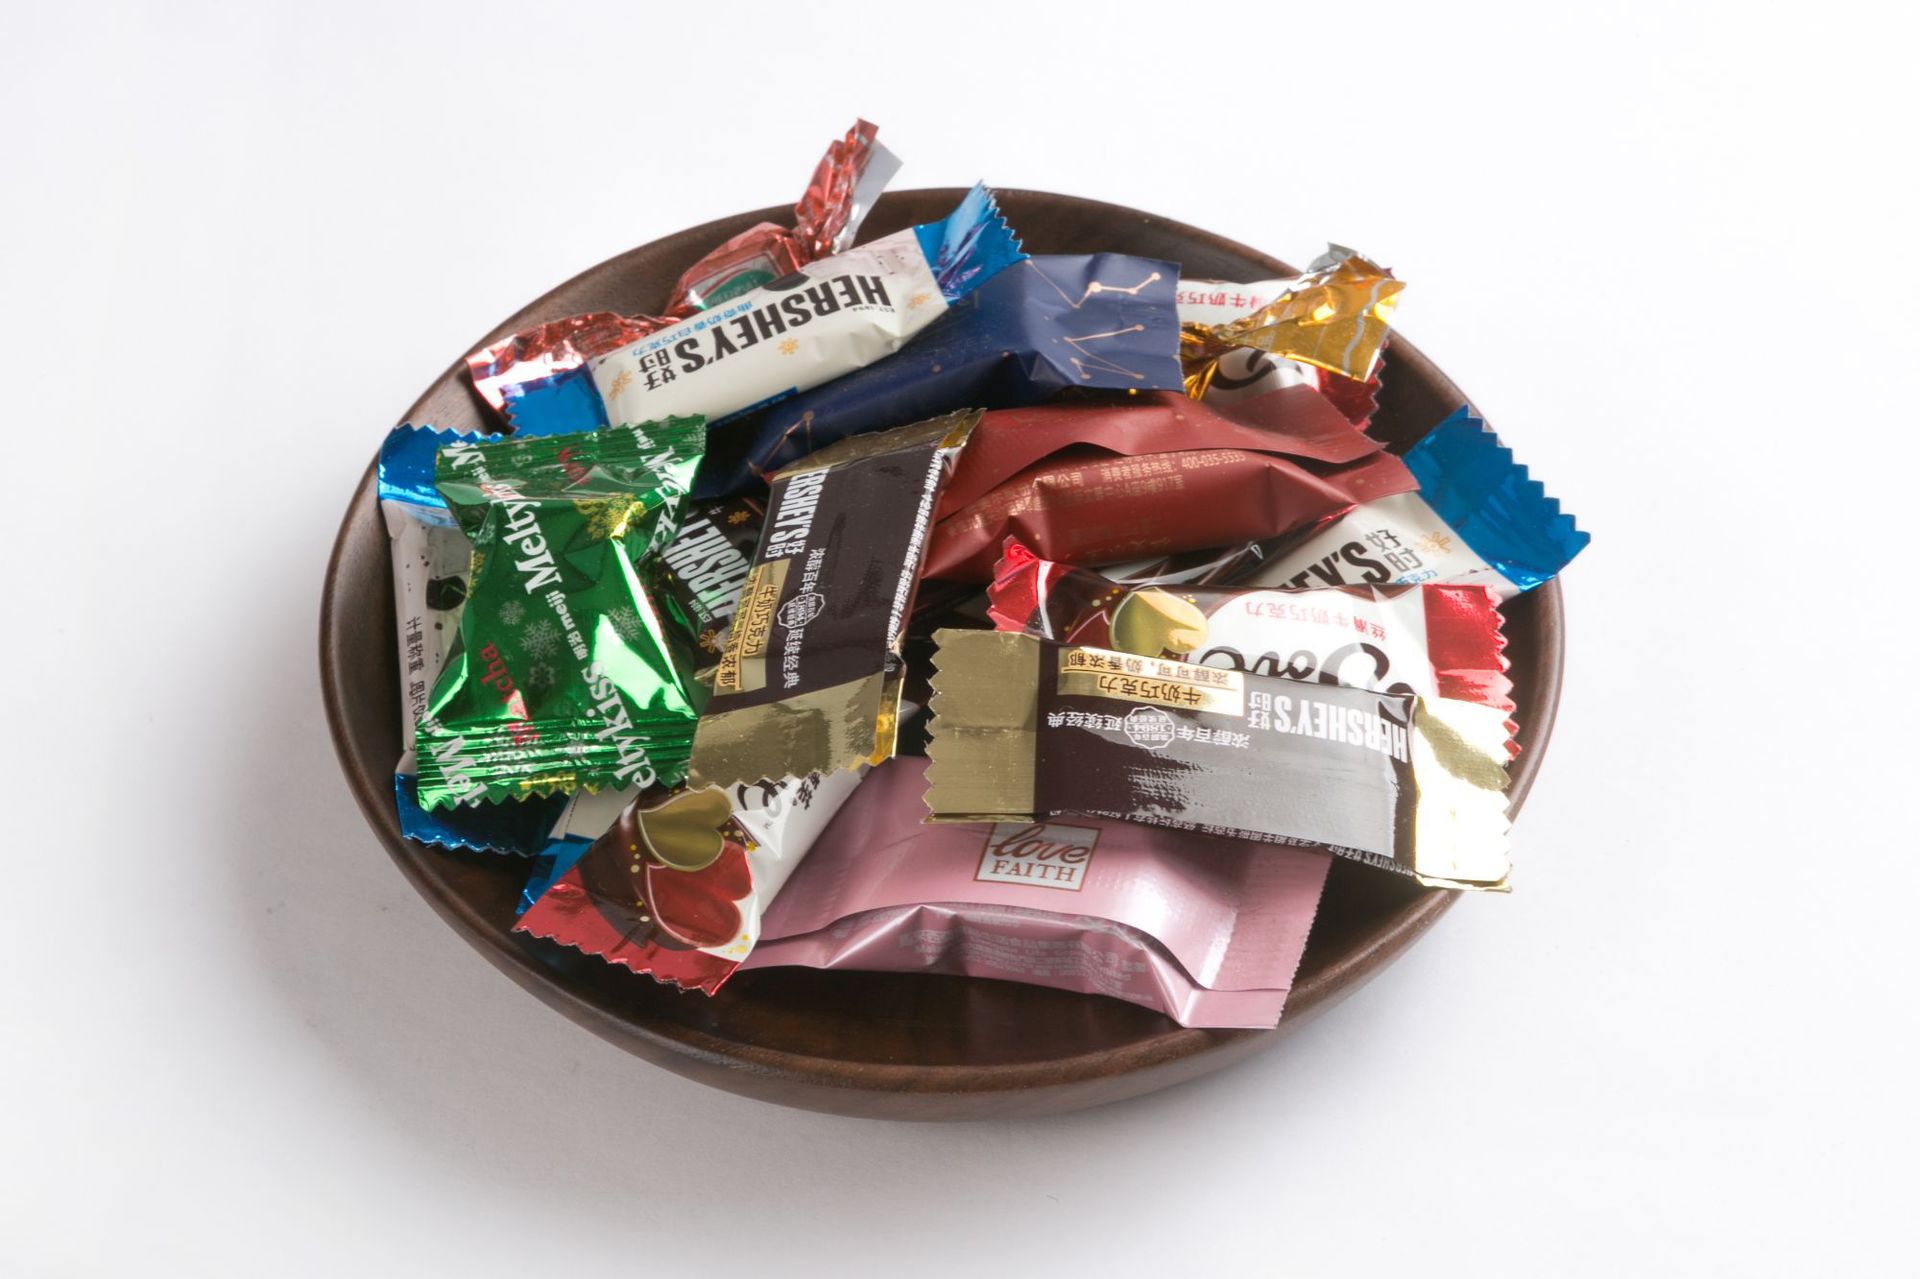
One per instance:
(1208, 931)
(676, 888)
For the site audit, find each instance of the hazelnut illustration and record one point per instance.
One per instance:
(1154, 623)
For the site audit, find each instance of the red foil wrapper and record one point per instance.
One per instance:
(553, 347)
(823, 222)
(1158, 474)
(828, 215)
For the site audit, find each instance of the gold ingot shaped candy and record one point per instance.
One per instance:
(684, 832)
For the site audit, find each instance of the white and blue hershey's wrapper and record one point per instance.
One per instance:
(834, 315)
(1478, 519)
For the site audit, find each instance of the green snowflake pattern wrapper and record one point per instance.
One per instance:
(564, 676)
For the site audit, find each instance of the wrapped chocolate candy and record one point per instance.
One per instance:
(1100, 483)
(584, 817)
(1436, 641)
(846, 182)
(702, 570)
(676, 887)
(810, 680)
(1026, 729)
(565, 676)
(1477, 518)
(537, 379)
(1334, 316)
(1100, 321)
(830, 317)
(1208, 931)
(430, 561)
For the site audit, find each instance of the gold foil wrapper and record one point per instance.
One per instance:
(1335, 317)
(986, 694)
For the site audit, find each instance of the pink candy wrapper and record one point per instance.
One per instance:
(1208, 931)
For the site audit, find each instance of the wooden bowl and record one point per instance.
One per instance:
(889, 1045)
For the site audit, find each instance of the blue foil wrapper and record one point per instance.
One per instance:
(553, 861)
(1105, 321)
(1471, 481)
(519, 826)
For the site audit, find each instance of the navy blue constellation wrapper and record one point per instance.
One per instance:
(1104, 321)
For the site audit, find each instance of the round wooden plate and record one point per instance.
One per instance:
(889, 1045)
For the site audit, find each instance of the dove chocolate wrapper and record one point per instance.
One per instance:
(1433, 641)
(832, 316)
(1102, 321)
(1155, 475)
(566, 676)
(1208, 931)
(811, 675)
(1026, 730)
(676, 887)
(430, 573)
(537, 378)
(1477, 518)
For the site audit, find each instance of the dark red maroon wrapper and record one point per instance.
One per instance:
(1097, 483)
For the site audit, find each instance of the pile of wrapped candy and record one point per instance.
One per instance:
(925, 605)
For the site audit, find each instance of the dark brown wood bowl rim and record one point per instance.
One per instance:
(699, 1049)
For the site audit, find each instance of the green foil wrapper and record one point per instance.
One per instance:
(565, 676)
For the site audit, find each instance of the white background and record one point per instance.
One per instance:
(1670, 251)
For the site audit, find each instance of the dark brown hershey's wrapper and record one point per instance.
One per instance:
(1025, 729)
(809, 680)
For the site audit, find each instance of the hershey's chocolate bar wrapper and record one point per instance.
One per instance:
(1478, 518)
(810, 679)
(830, 317)
(702, 569)
(1026, 729)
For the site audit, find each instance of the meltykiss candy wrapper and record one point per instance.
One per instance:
(830, 317)
(1102, 321)
(1026, 729)
(1207, 931)
(566, 676)
(677, 886)
(1478, 518)
(430, 562)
